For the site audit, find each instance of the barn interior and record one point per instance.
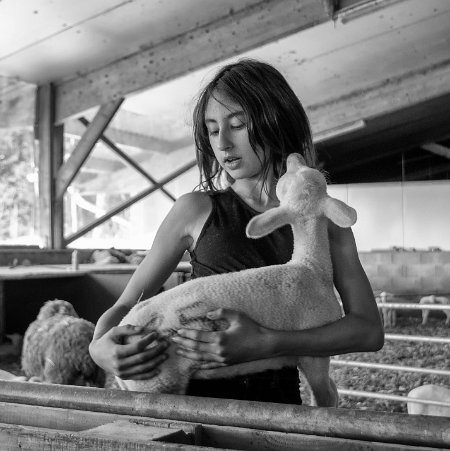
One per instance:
(96, 138)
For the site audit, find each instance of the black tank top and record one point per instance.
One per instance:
(223, 246)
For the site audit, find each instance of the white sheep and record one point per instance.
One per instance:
(56, 347)
(432, 299)
(296, 295)
(389, 315)
(429, 392)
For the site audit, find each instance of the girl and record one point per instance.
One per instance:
(246, 122)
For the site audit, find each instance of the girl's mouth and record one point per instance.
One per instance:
(232, 162)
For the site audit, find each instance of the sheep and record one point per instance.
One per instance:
(56, 348)
(432, 299)
(295, 295)
(389, 315)
(429, 392)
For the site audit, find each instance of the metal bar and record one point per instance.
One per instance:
(129, 160)
(382, 366)
(129, 202)
(389, 397)
(418, 338)
(389, 305)
(342, 423)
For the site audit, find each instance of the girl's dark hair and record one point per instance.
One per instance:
(276, 120)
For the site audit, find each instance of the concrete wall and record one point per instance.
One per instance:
(408, 272)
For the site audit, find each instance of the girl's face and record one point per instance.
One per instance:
(228, 135)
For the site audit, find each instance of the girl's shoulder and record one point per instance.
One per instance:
(192, 208)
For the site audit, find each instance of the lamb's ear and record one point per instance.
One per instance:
(339, 212)
(267, 222)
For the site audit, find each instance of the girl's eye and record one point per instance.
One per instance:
(238, 126)
(213, 132)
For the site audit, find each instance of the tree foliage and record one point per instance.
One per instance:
(18, 207)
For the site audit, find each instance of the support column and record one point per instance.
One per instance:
(51, 147)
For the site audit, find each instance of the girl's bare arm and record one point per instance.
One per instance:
(137, 361)
(359, 330)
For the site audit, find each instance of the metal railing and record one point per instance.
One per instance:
(390, 367)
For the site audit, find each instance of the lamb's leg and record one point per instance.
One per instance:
(394, 317)
(425, 314)
(323, 389)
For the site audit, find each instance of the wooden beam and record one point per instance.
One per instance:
(205, 435)
(132, 129)
(70, 168)
(234, 34)
(129, 160)
(437, 149)
(416, 430)
(50, 139)
(385, 97)
(129, 202)
(27, 438)
(57, 207)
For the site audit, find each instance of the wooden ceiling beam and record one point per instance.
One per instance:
(388, 96)
(232, 35)
(437, 149)
(70, 168)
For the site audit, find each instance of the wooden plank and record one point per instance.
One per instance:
(415, 430)
(388, 96)
(26, 438)
(233, 34)
(437, 149)
(129, 128)
(2, 311)
(70, 168)
(77, 420)
(125, 431)
(44, 133)
(57, 209)
(256, 440)
(205, 435)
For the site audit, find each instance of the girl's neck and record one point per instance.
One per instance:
(259, 196)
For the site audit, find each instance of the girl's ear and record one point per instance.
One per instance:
(339, 212)
(267, 222)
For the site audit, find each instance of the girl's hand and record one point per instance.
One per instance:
(137, 360)
(242, 341)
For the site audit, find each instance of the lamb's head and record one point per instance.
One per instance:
(302, 192)
(56, 307)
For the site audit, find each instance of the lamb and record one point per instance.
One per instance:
(296, 295)
(56, 348)
(389, 315)
(430, 392)
(432, 299)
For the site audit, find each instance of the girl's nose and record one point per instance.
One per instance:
(224, 141)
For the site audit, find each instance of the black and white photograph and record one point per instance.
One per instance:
(225, 225)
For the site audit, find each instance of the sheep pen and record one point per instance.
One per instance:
(425, 355)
